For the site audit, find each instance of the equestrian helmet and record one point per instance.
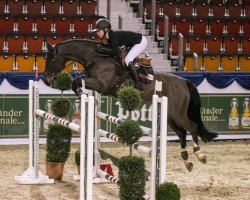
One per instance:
(102, 24)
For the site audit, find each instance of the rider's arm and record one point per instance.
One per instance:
(114, 42)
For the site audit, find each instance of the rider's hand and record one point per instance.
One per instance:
(98, 48)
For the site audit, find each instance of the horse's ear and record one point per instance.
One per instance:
(49, 47)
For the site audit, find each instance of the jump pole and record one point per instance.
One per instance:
(159, 139)
(158, 144)
(117, 120)
(163, 139)
(32, 175)
(114, 137)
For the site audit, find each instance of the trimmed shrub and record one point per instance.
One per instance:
(129, 132)
(58, 143)
(132, 178)
(168, 191)
(63, 81)
(61, 107)
(129, 98)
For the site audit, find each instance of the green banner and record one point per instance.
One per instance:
(14, 114)
(223, 113)
(216, 113)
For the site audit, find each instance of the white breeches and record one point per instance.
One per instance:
(136, 50)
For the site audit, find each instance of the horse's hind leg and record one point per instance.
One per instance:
(182, 133)
(197, 152)
(193, 129)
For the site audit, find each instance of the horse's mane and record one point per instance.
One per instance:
(77, 40)
(49, 57)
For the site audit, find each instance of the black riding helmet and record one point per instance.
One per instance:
(103, 24)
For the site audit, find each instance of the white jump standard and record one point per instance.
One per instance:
(32, 175)
(157, 151)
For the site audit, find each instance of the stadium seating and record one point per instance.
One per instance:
(27, 24)
(221, 26)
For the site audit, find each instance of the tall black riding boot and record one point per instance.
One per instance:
(133, 73)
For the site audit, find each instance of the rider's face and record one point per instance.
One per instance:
(100, 33)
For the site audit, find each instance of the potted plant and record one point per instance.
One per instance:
(57, 150)
(132, 172)
(77, 160)
(58, 136)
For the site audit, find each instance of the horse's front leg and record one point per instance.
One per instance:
(90, 83)
(93, 84)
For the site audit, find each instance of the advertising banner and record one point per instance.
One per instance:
(223, 113)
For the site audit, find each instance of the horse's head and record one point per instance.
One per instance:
(54, 65)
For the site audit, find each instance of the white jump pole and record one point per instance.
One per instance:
(107, 176)
(82, 147)
(116, 120)
(32, 175)
(86, 169)
(160, 153)
(90, 153)
(163, 139)
(31, 122)
(153, 148)
(114, 137)
(58, 120)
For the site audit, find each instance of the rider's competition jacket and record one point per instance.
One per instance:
(118, 38)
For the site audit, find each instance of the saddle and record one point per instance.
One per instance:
(142, 65)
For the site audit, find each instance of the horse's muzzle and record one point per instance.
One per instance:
(47, 81)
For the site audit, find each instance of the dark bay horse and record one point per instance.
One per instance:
(101, 75)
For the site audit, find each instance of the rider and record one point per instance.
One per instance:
(118, 38)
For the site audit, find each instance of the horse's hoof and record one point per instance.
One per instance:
(189, 165)
(202, 158)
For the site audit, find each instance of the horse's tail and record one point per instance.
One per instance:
(195, 115)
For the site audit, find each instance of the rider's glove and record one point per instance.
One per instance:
(99, 48)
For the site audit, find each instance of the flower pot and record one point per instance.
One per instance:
(55, 170)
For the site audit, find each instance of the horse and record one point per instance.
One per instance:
(102, 76)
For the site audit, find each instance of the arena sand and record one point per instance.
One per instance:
(226, 176)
